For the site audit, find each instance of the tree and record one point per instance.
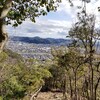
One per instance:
(85, 36)
(19, 10)
(69, 63)
(19, 79)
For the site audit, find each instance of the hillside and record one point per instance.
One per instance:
(38, 40)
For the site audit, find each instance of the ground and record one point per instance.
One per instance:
(49, 96)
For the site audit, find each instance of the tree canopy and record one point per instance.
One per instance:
(22, 9)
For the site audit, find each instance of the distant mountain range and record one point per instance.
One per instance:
(38, 40)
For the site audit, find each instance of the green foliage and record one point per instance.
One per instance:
(85, 37)
(3, 56)
(22, 9)
(56, 81)
(1, 98)
(18, 79)
(70, 72)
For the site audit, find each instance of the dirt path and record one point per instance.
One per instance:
(49, 96)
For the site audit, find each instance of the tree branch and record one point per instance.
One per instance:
(4, 11)
(35, 94)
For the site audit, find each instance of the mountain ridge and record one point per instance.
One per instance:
(39, 40)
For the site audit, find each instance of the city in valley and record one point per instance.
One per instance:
(38, 50)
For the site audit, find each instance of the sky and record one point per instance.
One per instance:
(55, 24)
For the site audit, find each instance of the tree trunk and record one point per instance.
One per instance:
(92, 87)
(71, 89)
(3, 13)
(65, 87)
(91, 66)
(96, 87)
(75, 87)
(3, 36)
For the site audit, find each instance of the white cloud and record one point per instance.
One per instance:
(42, 28)
(91, 8)
(47, 27)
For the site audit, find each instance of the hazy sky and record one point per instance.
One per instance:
(55, 24)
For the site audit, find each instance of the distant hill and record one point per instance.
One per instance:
(38, 40)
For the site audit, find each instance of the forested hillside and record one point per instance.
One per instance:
(20, 78)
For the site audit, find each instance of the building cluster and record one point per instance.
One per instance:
(30, 50)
